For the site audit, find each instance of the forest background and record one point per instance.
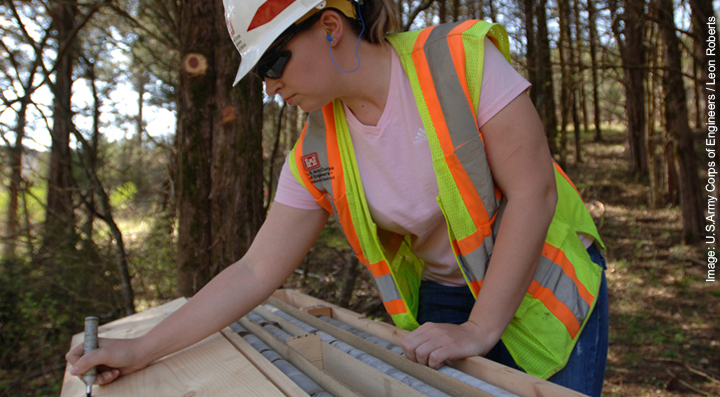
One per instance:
(133, 172)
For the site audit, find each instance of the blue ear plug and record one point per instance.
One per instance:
(329, 38)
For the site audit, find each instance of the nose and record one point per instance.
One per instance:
(272, 86)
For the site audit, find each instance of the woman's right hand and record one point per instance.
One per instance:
(114, 357)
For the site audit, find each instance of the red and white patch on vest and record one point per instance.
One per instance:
(311, 162)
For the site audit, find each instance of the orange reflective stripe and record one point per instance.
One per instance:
(560, 170)
(338, 184)
(558, 256)
(394, 307)
(475, 240)
(457, 52)
(305, 176)
(333, 151)
(556, 307)
(379, 269)
(475, 286)
(470, 196)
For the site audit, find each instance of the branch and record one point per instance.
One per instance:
(137, 24)
(421, 7)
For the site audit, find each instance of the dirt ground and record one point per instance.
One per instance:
(664, 325)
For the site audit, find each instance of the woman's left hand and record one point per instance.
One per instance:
(432, 343)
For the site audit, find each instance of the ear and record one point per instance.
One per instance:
(333, 26)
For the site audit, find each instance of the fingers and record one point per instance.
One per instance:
(428, 352)
(418, 345)
(107, 377)
(74, 354)
(84, 363)
(433, 344)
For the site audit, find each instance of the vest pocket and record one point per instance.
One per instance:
(407, 271)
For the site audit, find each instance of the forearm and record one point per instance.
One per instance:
(226, 298)
(516, 254)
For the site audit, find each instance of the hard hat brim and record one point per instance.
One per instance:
(264, 35)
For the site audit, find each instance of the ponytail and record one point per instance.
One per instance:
(380, 17)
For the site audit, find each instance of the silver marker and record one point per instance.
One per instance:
(90, 344)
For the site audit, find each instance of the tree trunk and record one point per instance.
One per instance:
(702, 11)
(633, 57)
(442, 10)
(592, 14)
(566, 99)
(493, 10)
(546, 94)
(220, 175)
(677, 123)
(531, 53)
(16, 157)
(59, 220)
(578, 85)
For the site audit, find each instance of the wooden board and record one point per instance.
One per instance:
(266, 367)
(491, 372)
(210, 367)
(363, 378)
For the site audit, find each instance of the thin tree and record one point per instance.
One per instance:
(592, 29)
(546, 94)
(630, 41)
(676, 118)
(528, 8)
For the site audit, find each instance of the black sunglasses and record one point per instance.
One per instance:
(272, 63)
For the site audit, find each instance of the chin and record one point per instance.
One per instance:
(311, 107)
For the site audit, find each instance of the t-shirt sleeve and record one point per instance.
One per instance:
(501, 84)
(291, 193)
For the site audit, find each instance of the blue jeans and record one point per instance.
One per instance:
(585, 369)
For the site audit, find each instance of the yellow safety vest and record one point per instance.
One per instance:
(444, 64)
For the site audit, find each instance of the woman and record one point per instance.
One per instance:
(392, 149)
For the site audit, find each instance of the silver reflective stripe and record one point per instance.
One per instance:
(465, 269)
(388, 290)
(314, 142)
(551, 276)
(478, 259)
(459, 117)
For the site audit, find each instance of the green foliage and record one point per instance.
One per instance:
(43, 303)
(123, 194)
(154, 260)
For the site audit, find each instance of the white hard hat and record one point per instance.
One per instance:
(255, 24)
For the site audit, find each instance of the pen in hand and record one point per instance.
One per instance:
(90, 344)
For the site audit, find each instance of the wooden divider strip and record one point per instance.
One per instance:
(280, 380)
(428, 375)
(322, 378)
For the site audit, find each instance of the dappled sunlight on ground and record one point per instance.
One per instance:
(664, 326)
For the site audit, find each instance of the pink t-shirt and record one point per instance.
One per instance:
(395, 165)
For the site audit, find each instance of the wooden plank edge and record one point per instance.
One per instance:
(271, 372)
(362, 377)
(381, 330)
(334, 360)
(510, 379)
(496, 374)
(322, 378)
(428, 375)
